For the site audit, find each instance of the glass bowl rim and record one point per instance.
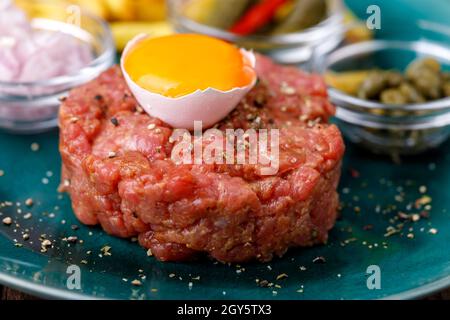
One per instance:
(345, 100)
(376, 122)
(314, 33)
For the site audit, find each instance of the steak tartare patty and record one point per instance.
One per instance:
(118, 171)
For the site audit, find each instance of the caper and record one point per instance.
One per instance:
(393, 96)
(446, 76)
(432, 64)
(423, 81)
(428, 83)
(393, 78)
(412, 94)
(425, 76)
(373, 85)
(446, 89)
(415, 67)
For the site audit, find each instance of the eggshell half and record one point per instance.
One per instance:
(209, 105)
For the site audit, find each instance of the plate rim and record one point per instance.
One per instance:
(40, 290)
(49, 292)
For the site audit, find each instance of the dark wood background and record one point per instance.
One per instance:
(9, 294)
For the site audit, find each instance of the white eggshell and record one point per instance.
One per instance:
(209, 105)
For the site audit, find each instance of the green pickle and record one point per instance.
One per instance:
(223, 14)
(306, 13)
(217, 13)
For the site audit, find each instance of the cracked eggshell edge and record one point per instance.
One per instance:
(209, 105)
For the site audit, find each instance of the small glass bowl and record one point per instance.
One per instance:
(291, 48)
(388, 129)
(33, 106)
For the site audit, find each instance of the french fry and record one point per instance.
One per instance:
(112, 10)
(132, 10)
(121, 9)
(97, 7)
(150, 10)
(125, 31)
(358, 31)
(52, 9)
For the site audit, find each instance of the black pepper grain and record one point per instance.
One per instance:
(114, 121)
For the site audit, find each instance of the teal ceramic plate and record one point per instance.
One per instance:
(374, 191)
(378, 198)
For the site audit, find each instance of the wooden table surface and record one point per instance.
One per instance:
(10, 294)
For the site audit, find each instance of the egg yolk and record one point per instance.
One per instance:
(178, 65)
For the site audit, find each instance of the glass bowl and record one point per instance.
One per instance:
(31, 107)
(290, 48)
(388, 129)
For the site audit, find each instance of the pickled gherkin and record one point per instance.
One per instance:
(305, 14)
(217, 13)
(246, 17)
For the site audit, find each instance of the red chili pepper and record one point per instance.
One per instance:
(257, 16)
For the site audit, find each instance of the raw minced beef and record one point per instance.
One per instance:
(119, 172)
